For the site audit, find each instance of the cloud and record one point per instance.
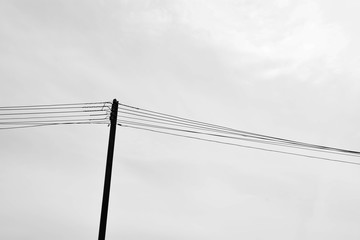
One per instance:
(283, 31)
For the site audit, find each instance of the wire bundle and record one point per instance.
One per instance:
(142, 119)
(13, 117)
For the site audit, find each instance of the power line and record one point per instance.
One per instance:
(52, 121)
(14, 117)
(51, 116)
(51, 124)
(53, 108)
(54, 105)
(166, 119)
(244, 146)
(229, 137)
(35, 113)
(176, 118)
(248, 134)
(195, 124)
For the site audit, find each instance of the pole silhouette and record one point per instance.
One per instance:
(109, 162)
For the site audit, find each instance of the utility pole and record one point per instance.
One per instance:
(109, 161)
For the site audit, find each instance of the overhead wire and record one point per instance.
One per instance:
(48, 108)
(60, 104)
(248, 134)
(224, 136)
(244, 146)
(204, 126)
(50, 124)
(52, 116)
(148, 116)
(13, 117)
(52, 121)
(26, 116)
(35, 113)
(176, 118)
(191, 123)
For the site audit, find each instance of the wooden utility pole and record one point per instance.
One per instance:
(109, 161)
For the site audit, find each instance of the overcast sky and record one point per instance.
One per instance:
(287, 68)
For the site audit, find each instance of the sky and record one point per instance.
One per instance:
(284, 68)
